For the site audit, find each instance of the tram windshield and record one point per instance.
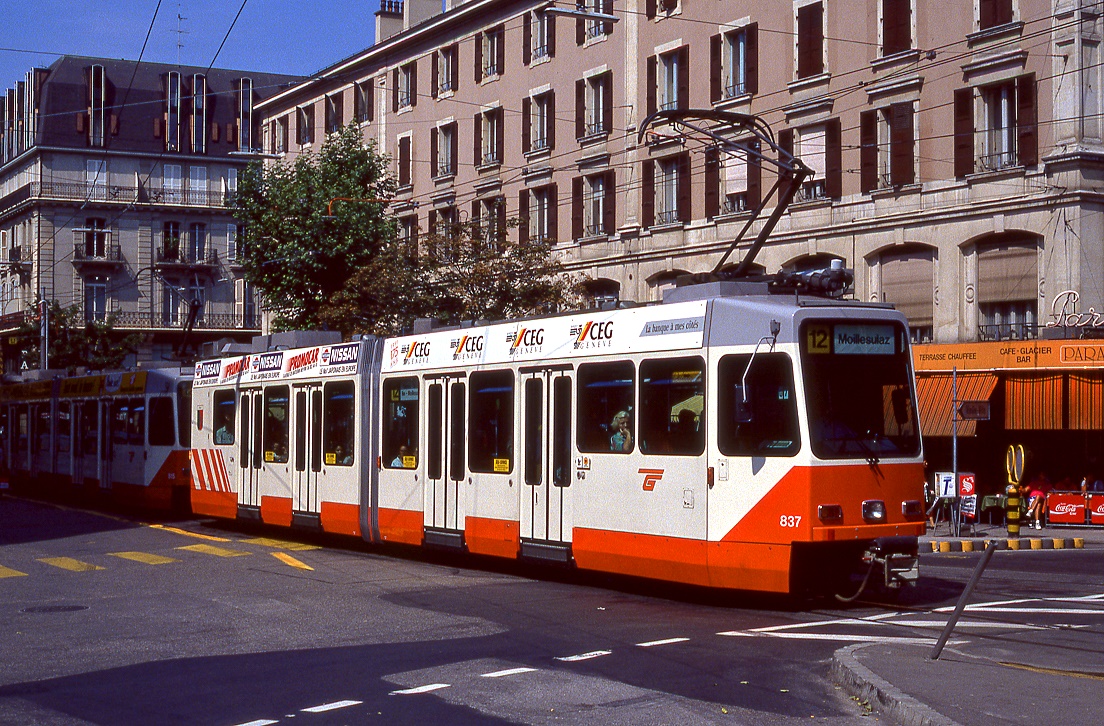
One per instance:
(858, 389)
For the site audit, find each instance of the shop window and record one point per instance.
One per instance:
(606, 413)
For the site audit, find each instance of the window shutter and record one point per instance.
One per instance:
(607, 25)
(833, 159)
(434, 73)
(712, 183)
(553, 214)
(577, 207)
(500, 225)
(82, 120)
(433, 152)
(609, 205)
(647, 196)
(785, 143)
(651, 82)
(551, 130)
(810, 40)
(963, 132)
(500, 136)
(987, 13)
(715, 91)
(500, 63)
(454, 69)
(868, 151)
(607, 101)
(239, 302)
(156, 127)
(551, 20)
(580, 108)
(215, 131)
(478, 57)
(477, 223)
(526, 124)
(414, 84)
(684, 196)
(754, 178)
(901, 158)
(477, 136)
(370, 112)
(431, 250)
(684, 77)
(896, 26)
(454, 157)
(395, 90)
(232, 133)
(113, 124)
(404, 161)
(1027, 142)
(580, 31)
(523, 217)
(650, 9)
(751, 58)
(527, 39)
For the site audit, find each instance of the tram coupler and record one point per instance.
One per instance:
(898, 558)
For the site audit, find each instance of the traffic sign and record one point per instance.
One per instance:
(973, 410)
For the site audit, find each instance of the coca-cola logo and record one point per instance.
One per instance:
(1067, 508)
(1099, 508)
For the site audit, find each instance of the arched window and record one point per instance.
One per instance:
(600, 291)
(819, 261)
(908, 281)
(1008, 288)
(663, 281)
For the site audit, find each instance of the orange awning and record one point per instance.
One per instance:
(1086, 401)
(1033, 401)
(934, 393)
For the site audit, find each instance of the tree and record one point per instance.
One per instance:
(75, 342)
(462, 272)
(294, 253)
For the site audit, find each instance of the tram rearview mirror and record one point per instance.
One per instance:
(742, 405)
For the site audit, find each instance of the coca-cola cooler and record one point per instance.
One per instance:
(1066, 508)
(1096, 508)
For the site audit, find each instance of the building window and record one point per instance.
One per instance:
(539, 36)
(403, 161)
(174, 184)
(247, 298)
(281, 134)
(540, 222)
(538, 122)
(95, 238)
(197, 298)
(445, 71)
(443, 143)
(95, 299)
(199, 114)
(97, 116)
(809, 146)
(896, 26)
(668, 80)
(810, 40)
(1008, 133)
(490, 54)
(170, 241)
(593, 27)
(489, 137)
(442, 229)
(594, 205)
(232, 243)
(245, 114)
(907, 279)
(734, 66)
(666, 190)
(999, 137)
(1008, 284)
(335, 112)
(173, 112)
(490, 218)
(992, 13)
(197, 242)
(197, 185)
(304, 125)
(594, 105)
(887, 157)
(170, 304)
(406, 87)
(408, 235)
(95, 177)
(363, 100)
(733, 180)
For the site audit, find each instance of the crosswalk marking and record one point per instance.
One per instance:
(584, 656)
(291, 561)
(212, 550)
(144, 557)
(508, 672)
(68, 563)
(420, 689)
(186, 533)
(9, 572)
(331, 706)
(666, 641)
(280, 544)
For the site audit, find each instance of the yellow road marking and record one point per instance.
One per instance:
(280, 544)
(145, 557)
(291, 561)
(68, 563)
(212, 550)
(1054, 671)
(9, 572)
(186, 533)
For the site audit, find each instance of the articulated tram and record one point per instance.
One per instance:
(727, 437)
(122, 436)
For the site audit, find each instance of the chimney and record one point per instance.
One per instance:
(389, 19)
(418, 11)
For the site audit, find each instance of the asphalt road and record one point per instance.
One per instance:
(114, 621)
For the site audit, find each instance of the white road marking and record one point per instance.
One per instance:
(668, 641)
(963, 624)
(331, 706)
(259, 722)
(584, 656)
(420, 689)
(508, 672)
(829, 636)
(1024, 611)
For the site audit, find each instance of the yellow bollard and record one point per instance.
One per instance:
(1079, 543)
(1036, 544)
(1013, 544)
(967, 545)
(944, 546)
(1012, 509)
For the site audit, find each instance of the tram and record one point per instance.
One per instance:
(120, 436)
(737, 435)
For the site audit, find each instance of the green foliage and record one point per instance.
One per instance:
(74, 342)
(293, 252)
(462, 273)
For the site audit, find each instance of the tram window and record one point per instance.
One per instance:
(561, 432)
(223, 418)
(89, 427)
(606, 393)
(767, 424)
(45, 424)
(65, 427)
(672, 398)
(184, 413)
(243, 453)
(316, 430)
(118, 424)
(340, 418)
(300, 431)
(400, 423)
(136, 422)
(433, 433)
(491, 422)
(533, 433)
(161, 420)
(22, 429)
(456, 431)
(275, 434)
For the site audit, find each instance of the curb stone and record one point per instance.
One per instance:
(858, 680)
(1023, 543)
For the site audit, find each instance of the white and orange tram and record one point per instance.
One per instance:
(725, 439)
(120, 436)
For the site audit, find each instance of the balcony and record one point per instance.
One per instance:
(19, 261)
(1008, 331)
(183, 259)
(140, 320)
(96, 255)
(113, 193)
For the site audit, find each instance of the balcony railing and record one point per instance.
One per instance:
(1008, 331)
(98, 253)
(187, 256)
(144, 194)
(141, 320)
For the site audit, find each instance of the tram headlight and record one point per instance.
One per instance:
(874, 510)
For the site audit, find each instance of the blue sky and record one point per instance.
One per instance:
(279, 36)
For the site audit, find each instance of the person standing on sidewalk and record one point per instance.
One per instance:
(1037, 492)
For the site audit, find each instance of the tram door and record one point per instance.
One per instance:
(107, 450)
(308, 448)
(446, 466)
(546, 469)
(250, 455)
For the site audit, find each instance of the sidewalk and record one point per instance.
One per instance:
(975, 538)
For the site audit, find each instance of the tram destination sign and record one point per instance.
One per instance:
(973, 410)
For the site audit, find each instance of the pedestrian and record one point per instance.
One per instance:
(1037, 492)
